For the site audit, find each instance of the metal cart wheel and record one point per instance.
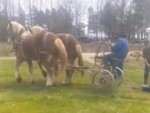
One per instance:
(103, 78)
(118, 78)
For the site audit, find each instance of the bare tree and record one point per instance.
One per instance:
(122, 15)
(78, 13)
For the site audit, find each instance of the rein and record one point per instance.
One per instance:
(45, 39)
(19, 43)
(16, 42)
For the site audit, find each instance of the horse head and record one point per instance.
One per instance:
(14, 30)
(11, 35)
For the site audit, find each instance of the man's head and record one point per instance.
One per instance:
(123, 35)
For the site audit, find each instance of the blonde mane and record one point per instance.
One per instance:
(25, 34)
(16, 27)
(36, 29)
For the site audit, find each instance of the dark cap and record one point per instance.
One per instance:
(123, 34)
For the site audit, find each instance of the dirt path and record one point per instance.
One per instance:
(89, 57)
(7, 58)
(86, 56)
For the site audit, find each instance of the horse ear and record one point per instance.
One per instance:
(29, 28)
(9, 22)
(26, 28)
(9, 25)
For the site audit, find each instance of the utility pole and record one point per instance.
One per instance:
(51, 4)
(122, 15)
(30, 14)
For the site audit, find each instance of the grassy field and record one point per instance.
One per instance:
(80, 97)
(5, 49)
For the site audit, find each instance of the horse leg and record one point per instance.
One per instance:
(44, 73)
(53, 64)
(55, 72)
(31, 71)
(69, 74)
(49, 81)
(17, 73)
(56, 68)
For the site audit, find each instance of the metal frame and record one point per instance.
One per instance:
(100, 76)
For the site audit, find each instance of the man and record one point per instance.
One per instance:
(118, 51)
(146, 56)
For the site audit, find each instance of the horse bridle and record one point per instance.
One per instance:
(17, 39)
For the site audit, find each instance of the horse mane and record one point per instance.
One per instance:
(68, 38)
(16, 27)
(35, 29)
(25, 34)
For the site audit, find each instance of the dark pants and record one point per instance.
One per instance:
(111, 60)
(146, 73)
(107, 61)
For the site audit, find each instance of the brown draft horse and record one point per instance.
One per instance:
(74, 51)
(55, 50)
(25, 50)
(45, 48)
(16, 32)
(73, 47)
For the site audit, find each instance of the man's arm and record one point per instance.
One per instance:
(145, 57)
(146, 62)
(117, 46)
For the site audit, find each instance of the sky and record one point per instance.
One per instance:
(46, 4)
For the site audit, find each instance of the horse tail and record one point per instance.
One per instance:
(79, 55)
(62, 54)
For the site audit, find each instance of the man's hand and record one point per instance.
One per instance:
(147, 65)
(146, 62)
(95, 58)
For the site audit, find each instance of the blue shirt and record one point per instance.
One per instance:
(121, 48)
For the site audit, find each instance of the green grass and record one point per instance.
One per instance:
(80, 97)
(5, 49)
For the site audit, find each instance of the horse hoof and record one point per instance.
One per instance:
(19, 80)
(67, 83)
(44, 74)
(49, 84)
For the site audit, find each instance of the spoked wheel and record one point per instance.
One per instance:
(102, 79)
(119, 75)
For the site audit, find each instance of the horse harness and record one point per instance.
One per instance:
(41, 53)
(17, 39)
(44, 41)
(67, 39)
(19, 43)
